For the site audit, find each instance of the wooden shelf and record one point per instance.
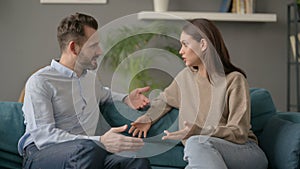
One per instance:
(215, 16)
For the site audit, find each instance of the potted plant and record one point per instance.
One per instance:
(127, 41)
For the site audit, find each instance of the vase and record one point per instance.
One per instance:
(161, 5)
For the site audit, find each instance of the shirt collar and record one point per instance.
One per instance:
(62, 69)
(65, 70)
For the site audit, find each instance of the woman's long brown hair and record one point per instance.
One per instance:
(214, 36)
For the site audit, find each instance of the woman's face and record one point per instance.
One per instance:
(188, 50)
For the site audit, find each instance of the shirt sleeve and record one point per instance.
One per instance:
(39, 115)
(106, 95)
(164, 102)
(238, 121)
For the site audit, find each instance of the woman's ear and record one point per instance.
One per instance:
(203, 44)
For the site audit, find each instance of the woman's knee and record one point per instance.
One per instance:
(198, 141)
(200, 153)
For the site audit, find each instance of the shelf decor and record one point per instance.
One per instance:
(293, 55)
(160, 5)
(215, 16)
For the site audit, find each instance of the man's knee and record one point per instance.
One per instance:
(89, 154)
(142, 163)
(114, 161)
(91, 149)
(71, 154)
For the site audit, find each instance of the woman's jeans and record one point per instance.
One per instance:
(204, 152)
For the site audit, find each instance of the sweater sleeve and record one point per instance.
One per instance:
(238, 117)
(164, 102)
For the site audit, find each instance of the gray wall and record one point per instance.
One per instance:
(28, 39)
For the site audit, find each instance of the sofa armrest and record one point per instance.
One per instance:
(280, 140)
(11, 129)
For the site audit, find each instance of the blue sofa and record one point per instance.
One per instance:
(278, 132)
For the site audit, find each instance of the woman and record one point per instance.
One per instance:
(212, 96)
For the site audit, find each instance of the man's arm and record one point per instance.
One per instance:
(135, 99)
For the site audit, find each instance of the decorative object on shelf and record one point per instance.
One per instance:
(161, 5)
(238, 6)
(293, 55)
(226, 6)
(293, 46)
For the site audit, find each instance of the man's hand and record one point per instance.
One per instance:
(140, 126)
(136, 99)
(183, 133)
(115, 142)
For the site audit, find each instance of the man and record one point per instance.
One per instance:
(61, 108)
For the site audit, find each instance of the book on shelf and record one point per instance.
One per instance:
(293, 46)
(242, 6)
(226, 6)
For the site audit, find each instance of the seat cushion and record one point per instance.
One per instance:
(11, 129)
(174, 156)
(280, 140)
(160, 153)
(118, 114)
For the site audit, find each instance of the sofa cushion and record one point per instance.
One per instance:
(118, 114)
(280, 141)
(174, 156)
(262, 109)
(11, 129)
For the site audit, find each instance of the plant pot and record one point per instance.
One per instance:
(160, 5)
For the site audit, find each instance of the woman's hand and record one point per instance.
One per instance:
(140, 126)
(185, 133)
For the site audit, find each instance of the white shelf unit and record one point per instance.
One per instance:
(215, 16)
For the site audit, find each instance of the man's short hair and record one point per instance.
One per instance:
(71, 28)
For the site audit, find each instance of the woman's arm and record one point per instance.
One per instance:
(237, 127)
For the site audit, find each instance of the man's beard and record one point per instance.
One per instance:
(89, 64)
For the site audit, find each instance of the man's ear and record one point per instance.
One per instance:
(73, 48)
(203, 44)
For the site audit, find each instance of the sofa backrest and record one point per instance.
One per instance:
(262, 109)
(12, 122)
